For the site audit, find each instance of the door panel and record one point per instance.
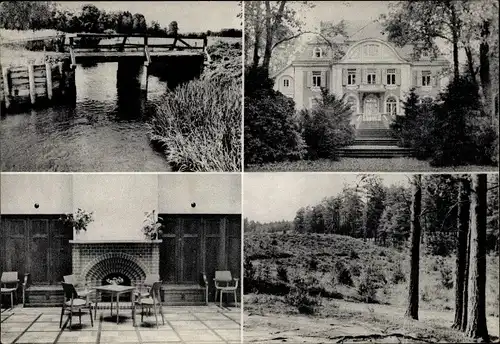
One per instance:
(39, 251)
(233, 235)
(168, 253)
(190, 259)
(16, 257)
(189, 246)
(60, 251)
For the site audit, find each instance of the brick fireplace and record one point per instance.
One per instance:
(94, 260)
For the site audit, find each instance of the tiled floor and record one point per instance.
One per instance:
(183, 324)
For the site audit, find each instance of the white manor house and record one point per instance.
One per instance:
(374, 75)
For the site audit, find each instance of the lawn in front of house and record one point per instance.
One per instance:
(363, 165)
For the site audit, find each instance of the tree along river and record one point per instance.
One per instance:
(105, 130)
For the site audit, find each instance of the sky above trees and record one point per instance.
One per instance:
(192, 17)
(277, 196)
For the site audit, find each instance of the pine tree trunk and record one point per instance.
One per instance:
(416, 208)
(463, 229)
(465, 293)
(476, 309)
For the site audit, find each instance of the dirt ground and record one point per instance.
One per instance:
(368, 323)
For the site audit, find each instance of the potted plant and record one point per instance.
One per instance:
(151, 225)
(79, 220)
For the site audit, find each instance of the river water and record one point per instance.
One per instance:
(104, 131)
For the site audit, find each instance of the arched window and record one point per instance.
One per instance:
(318, 52)
(391, 106)
(353, 103)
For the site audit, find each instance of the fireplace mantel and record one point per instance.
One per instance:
(114, 241)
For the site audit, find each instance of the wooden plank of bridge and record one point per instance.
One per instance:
(122, 47)
(31, 77)
(48, 75)
(6, 88)
(72, 53)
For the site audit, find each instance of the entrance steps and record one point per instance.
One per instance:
(373, 140)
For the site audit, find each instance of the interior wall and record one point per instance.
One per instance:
(209, 193)
(20, 192)
(118, 201)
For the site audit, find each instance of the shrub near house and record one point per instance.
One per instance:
(449, 132)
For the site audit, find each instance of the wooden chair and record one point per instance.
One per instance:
(224, 284)
(152, 301)
(143, 289)
(73, 302)
(9, 283)
(80, 287)
(204, 285)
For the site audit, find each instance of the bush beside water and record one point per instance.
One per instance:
(198, 124)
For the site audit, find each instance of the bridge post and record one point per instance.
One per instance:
(48, 75)
(144, 78)
(6, 86)
(31, 78)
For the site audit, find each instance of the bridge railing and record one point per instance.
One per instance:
(93, 42)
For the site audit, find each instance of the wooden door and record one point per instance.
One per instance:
(37, 245)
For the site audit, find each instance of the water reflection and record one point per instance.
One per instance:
(104, 130)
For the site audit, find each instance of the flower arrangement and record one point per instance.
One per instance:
(79, 220)
(115, 280)
(151, 225)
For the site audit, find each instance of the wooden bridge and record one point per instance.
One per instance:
(93, 47)
(112, 47)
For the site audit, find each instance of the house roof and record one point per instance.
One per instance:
(356, 30)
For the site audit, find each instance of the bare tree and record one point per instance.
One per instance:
(416, 209)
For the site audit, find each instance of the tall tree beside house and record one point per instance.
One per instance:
(424, 22)
(463, 215)
(476, 305)
(416, 208)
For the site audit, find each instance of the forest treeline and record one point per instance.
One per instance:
(381, 213)
(38, 15)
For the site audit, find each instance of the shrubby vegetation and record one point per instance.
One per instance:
(274, 132)
(271, 132)
(199, 126)
(379, 275)
(451, 131)
(326, 126)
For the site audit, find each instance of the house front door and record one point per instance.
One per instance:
(371, 112)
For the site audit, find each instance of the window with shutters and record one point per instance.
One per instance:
(371, 77)
(391, 77)
(318, 52)
(391, 106)
(351, 76)
(426, 78)
(316, 79)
